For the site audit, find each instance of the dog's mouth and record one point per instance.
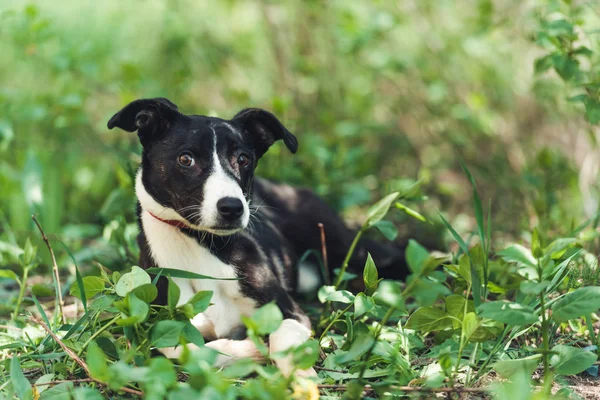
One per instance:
(223, 231)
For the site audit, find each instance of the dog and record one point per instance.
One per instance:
(200, 209)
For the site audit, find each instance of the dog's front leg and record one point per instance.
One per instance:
(291, 333)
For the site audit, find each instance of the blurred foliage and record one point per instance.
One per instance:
(379, 93)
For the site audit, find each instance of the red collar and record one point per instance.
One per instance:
(172, 222)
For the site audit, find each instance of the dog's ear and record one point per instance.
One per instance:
(147, 116)
(264, 129)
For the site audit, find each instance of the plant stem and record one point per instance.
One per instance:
(334, 321)
(59, 298)
(22, 284)
(545, 336)
(97, 333)
(363, 367)
(339, 278)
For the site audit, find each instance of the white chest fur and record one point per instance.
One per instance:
(170, 248)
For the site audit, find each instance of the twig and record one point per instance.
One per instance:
(54, 268)
(324, 252)
(76, 358)
(341, 388)
(84, 380)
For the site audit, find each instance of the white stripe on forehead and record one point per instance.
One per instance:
(219, 185)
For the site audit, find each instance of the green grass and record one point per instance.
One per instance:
(387, 100)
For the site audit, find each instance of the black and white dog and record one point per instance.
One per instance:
(196, 191)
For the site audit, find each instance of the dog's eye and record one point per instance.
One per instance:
(186, 160)
(243, 160)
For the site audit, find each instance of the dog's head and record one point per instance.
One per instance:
(198, 170)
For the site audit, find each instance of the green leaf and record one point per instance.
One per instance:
(20, 384)
(47, 378)
(370, 275)
(363, 304)
(306, 355)
(166, 333)
(340, 296)
(173, 294)
(469, 326)
(131, 280)
(507, 312)
(533, 288)
(518, 254)
(389, 293)
(62, 391)
(178, 273)
(380, 209)
(96, 361)
(137, 308)
(428, 319)
(160, 377)
(92, 285)
(579, 302)
(146, 293)
(200, 301)
(508, 368)
(359, 346)
(191, 334)
(569, 360)
(476, 202)
(410, 212)
(7, 273)
(87, 393)
(387, 229)
(267, 319)
(416, 255)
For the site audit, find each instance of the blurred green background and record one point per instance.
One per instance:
(379, 93)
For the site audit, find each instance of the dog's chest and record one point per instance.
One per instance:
(170, 248)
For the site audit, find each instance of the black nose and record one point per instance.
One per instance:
(230, 208)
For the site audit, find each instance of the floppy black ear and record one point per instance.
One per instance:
(147, 116)
(264, 129)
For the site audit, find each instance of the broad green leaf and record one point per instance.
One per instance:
(569, 360)
(47, 378)
(518, 254)
(147, 292)
(469, 326)
(137, 308)
(62, 391)
(20, 384)
(92, 285)
(7, 273)
(507, 312)
(363, 304)
(178, 273)
(380, 209)
(267, 319)
(416, 255)
(359, 346)
(87, 393)
(508, 368)
(579, 302)
(429, 319)
(161, 376)
(166, 333)
(191, 334)
(387, 229)
(426, 292)
(173, 294)
(455, 307)
(389, 293)
(370, 275)
(96, 361)
(200, 301)
(340, 296)
(533, 288)
(306, 355)
(131, 280)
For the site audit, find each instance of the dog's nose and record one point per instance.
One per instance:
(230, 208)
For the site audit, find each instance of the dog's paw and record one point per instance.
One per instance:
(286, 367)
